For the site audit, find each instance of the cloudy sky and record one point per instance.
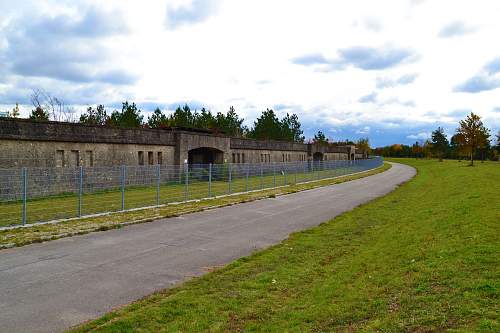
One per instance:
(390, 70)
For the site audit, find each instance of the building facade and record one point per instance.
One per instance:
(27, 143)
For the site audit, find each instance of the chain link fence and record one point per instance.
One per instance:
(33, 195)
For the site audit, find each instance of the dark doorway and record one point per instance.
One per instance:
(352, 157)
(205, 155)
(317, 156)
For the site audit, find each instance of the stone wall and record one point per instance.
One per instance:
(27, 143)
(29, 153)
(25, 129)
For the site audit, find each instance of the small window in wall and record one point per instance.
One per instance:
(239, 158)
(151, 159)
(89, 158)
(60, 158)
(234, 158)
(140, 156)
(160, 157)
(75, 158)
(243, 158)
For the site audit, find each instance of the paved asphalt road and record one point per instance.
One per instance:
(52, 286)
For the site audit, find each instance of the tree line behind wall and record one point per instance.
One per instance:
(267, 126)
(471, 141)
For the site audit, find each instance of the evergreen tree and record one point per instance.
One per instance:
(439, 143)
(291, 128)
(39, 114)
(457, 146)
(266, 127)
(15, 111)
(129, 117)
(320, 137)
(204, 120)
(158, 119)
(269, 127)
(97, 116)
(230, 123)
(182, 117)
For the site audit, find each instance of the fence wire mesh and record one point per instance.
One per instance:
(32, 195)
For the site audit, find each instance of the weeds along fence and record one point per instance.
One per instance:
(32, 195)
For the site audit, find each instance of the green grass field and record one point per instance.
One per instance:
(66, 206)
(424, 258)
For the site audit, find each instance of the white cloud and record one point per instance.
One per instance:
(455, 29)
(420, 136)
(242, 53)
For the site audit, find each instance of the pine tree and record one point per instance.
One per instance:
(39, 114)
(129, 117)
(320, 138)
(439, 143)
(97, 116)
(15, 111)
(158, 119)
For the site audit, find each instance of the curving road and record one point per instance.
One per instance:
(52, 286)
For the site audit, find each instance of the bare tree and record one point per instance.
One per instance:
(53, 105)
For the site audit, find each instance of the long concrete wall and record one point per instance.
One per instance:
(27, 143)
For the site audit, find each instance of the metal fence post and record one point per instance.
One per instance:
(158, 184)
(304, 177)
(186, 182)
(246, 177)
(229, 177)
(295, 172)
(80, 192)
(210, 180)
(274, 174)
(284, 173)
(122, 181)
(261, 176)
(25, 194)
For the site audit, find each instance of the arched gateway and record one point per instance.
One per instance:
(318, 156)
(205, 155)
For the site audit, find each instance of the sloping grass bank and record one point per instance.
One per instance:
(47, 232)
(421, 259)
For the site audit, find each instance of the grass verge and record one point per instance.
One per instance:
(422, 259)
(40, 233)
(103, 198)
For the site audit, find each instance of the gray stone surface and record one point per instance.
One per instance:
(28, 143)
(51, 286)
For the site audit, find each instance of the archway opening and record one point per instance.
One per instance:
(352, 157)
(318, 156)
(205, 155)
